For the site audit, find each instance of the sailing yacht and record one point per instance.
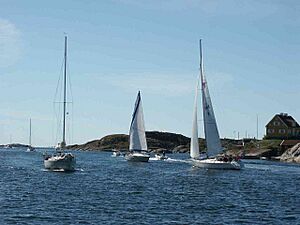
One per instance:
(30, 148)
(213, 158)
(138, 151)
(61, 161)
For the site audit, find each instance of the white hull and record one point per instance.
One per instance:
(137, 157)
(216, 164)
(63, 161)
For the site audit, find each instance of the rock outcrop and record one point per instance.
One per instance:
(292, 154)
(157, 141)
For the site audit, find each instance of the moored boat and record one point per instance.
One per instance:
(30, 148)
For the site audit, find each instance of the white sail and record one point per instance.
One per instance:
(210, 125)
(137, 128)
(194, 148)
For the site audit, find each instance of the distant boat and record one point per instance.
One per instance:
(8, 146)
(213, 159)
(60, 160)
(30, 148)
(116, 153)
(161, 156)
(138, 151)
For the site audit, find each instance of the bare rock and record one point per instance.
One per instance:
(292, 154)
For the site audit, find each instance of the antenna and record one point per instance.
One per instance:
(257, 126)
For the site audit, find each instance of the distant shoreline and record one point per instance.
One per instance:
(178, 143)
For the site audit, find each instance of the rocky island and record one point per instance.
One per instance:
(178, 143)
(157, 141)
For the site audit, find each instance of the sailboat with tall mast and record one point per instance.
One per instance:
(213, 159)
(138, 150)
(30, 148)
(61, 160)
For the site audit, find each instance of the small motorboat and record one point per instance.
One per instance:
(161, 156)
(30, 149)
(116, 153)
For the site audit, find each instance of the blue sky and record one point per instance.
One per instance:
(117, 47)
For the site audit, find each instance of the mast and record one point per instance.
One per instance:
(201, 60)
(63, 144)
(194, 147)
(30, 132)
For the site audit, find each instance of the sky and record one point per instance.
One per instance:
(251, 51)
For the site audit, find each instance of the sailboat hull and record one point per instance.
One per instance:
(216, 164)
(137, 157)
(61, 162)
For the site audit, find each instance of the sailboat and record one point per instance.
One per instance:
(30, 148)
(61, 161)
(213, 159)
(138, 151)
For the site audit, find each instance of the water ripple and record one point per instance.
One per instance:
(108, 190)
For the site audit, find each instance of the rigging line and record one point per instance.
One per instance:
(72, 125)
(70, 82)
(58, 89)
(57, 117)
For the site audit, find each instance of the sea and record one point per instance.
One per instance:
(110, 190)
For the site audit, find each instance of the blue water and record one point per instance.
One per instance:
(108, 190)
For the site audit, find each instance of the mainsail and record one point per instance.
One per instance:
(194, 148)
(137, 128)
(210, 125)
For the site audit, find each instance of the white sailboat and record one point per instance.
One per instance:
(30, 148)
(213, 159)
(138, 151)
(61, 161)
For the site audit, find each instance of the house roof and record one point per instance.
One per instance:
(288, 120)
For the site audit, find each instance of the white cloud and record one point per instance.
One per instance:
(9, 43)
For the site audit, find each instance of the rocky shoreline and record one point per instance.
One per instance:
(292, 154)
(177, 143)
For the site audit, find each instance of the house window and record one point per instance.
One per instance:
(270, 131)
(276, 123)
(281, 131)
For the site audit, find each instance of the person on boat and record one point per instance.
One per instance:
(225, 159)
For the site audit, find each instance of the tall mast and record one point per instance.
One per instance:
(30, 132)
(201, 60)
(65, 95)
